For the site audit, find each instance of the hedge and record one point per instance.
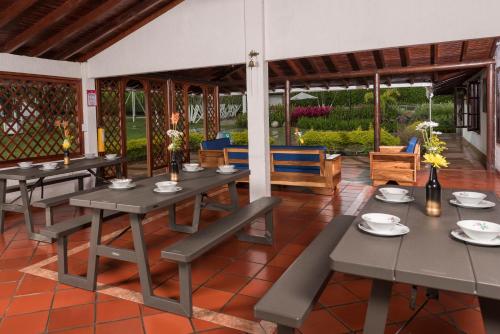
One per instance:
(356, 140)
(241, 138)
(442, 113)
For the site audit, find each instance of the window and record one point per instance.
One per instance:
(474, 106)
(460, 112)
(29, 106)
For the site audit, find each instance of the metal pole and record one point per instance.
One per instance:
(133, 106)
(376, 112)
(490, 117)
(286, 97)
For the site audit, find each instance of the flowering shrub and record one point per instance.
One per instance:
(299, 112)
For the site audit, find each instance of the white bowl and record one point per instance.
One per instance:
(394, 194)
(25, 164)
(111, 156)
(479, 229)
(226, 168)
(469, 197)
(89, 155)
(49, 165)
(121, 183)
(166, 185)
(191, 167)
(380, 222)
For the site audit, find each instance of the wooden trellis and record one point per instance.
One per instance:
(211, 118)
(111, 117)
(157, 124)
(179, 91)
(29, 105)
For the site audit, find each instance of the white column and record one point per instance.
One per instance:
(89, 114)
(257, 101)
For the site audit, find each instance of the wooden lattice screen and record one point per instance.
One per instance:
(211, 112)
(111, 117)
(158, 125)
(29, 105)
(180, 105)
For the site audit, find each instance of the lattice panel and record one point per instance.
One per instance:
(180, 101)
(158, 124)
(28, 110)
(109, 118)
(212, 118)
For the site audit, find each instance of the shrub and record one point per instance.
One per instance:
(357, 140)
(319, 111)
(241, 120)
(241, 138)
(195, 139)
(137, 149)
(442, 113)
(277, 113)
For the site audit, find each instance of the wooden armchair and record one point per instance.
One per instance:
(395, 163)
(211, 153)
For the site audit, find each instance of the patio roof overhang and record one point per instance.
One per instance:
(446, 65)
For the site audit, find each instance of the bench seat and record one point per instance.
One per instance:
(292, 297)
(193, 246)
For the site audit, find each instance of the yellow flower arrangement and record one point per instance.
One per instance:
(63, 127)
(434, 146)
(436, 160)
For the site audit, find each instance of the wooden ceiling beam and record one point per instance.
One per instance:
(296, 68)
(314, 66)
(434, 60)
(229, 72)
(13, 11)
(404, 54)
(273, 66)
(103, 38)
(463, 51)
(329, 64)
(353, 61)
(50, 19)
(74, 28)
(493, 48)
(378, 56)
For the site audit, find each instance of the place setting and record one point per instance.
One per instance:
(394, 195)
(48, 166)
(25, 164)
(471, 200)
(90, 156)
(477, 232)
(192, 168)
(111, 156)
(121, 184)
(226, 169)
(381, 224)
(166, 187)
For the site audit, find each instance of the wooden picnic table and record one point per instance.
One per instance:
(35, 173)
(137, 202)
(427, 256)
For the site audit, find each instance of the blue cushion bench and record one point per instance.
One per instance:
(211, 153)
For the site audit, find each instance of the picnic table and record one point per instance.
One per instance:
(35, 173)
(427, 256)
(137, 202)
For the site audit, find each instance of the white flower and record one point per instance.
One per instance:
(425, 125)
(174, 134)
(437, 132)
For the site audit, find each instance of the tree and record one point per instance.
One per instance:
(387, 98)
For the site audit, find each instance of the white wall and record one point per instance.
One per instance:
(497, 146)
(298, 28)
(39, 66)
(195, 33)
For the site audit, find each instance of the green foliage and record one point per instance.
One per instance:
(241, 121)
(345, 119)
(195, 139)
(137, 149)
(241, 138)
(277, 113)
(442, 113)
(357, 140)
(389, 97)
(406, 132)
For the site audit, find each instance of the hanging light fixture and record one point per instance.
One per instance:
(253, 59)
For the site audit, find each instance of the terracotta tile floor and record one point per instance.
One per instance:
(228, 281)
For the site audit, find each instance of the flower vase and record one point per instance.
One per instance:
(174, 167)
(66, 157)
(433, 195)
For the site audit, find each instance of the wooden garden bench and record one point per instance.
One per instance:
(185, 251)
(291, 298)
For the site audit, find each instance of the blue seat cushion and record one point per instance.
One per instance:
(411, 145)
(216, 144)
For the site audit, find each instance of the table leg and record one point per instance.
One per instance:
(233, 193)
(26, 210)
(95, 241)
(378, 306)
(490, 309)
(3, 190)
(184, 305)
(196, 217)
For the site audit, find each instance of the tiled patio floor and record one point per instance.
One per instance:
(228, 281)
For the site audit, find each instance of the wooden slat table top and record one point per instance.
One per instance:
(75, 166)
(428, 255)
(143, 199)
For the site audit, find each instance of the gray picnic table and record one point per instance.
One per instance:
(427, 256)
(137, 202)
(35, 173)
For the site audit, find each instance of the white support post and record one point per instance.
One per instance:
(89, 114)
(257, 100)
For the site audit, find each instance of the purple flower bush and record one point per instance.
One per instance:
(299, 112)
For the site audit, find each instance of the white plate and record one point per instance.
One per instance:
(49, 169)
(397, 230)
(199, 169)
(484, 204)
(130, 186)
(27, 167)
(231, 172)
(113, 159)
(158, 190)
(406, 199)
(460, 235)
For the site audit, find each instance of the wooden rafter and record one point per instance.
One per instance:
(104, 38)
(378, 56)
(294, 67)
(229, 72)
(313, 65)
(405, 57)
(48, 20)
(463, 51)
(434, 60)
(273, 66)
(55, 40)
(493, 48)
(329, 64)
(13, 11)
(353, 61)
